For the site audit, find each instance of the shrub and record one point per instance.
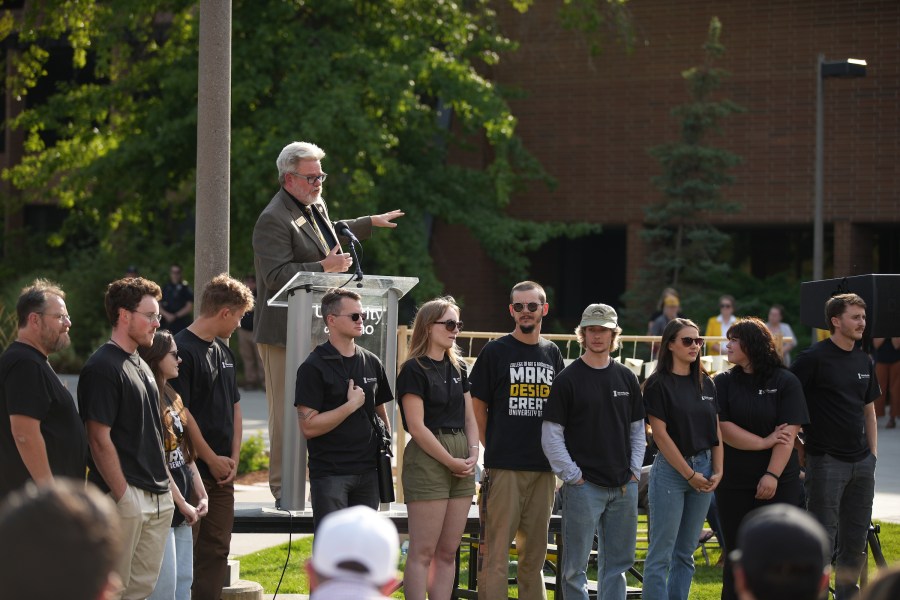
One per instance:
(254, 456)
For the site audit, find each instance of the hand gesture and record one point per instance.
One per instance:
(766, 487)
(356, 396)
(336, 262)
(386, 219)
(462, 467)
(189, 512)
(781, 435)
(202, 507)
(222, 468)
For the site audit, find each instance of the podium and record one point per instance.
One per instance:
(302, 298)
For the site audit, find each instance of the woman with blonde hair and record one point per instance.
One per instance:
(439, 462)
(177, 572)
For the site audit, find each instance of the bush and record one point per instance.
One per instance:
(253, 455)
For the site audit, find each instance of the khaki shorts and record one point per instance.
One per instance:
(424, 478)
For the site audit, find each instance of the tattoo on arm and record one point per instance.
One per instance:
(304, 415)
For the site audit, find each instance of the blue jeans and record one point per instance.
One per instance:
(612, 513)
(334, 492)
(177, 572)
(677, 512)
(840, 497)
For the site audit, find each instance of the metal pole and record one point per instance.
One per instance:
(211, 243)
(818, 218)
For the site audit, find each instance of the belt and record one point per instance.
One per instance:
(448, 430)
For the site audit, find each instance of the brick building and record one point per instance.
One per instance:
(590, 121)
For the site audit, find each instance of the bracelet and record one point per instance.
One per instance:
(692, 476)
(473, 446)
(771, 474)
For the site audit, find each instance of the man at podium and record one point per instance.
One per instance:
(294, 233)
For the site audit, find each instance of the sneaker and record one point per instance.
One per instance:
(277, 503)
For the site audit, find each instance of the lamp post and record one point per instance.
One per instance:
(851, 67)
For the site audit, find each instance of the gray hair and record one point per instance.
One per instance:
(294, 153)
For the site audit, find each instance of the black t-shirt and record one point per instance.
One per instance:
(441, 388)
(597, 407)
(208, 387)
(117, 389)
(688, 412)
(174, 297)
(30, 387)
(514, 379)
(173, 420)
(322, 379)
(758, 410)
(837, 385)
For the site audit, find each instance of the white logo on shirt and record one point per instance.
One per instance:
(370, 379)
(764, 392)
(863, 375)
(707, 398)
(227, 365)
(456, 379)
(617, 393)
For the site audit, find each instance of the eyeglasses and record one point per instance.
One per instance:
(687, 342)
(150, 316)
(311, 179)
(450, 324)
(353, 316)
(59, 316)
(531, 306)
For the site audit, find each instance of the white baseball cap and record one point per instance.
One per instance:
(356, 543)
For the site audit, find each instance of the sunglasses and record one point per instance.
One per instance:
(531, 306)
(450, 324)
(354, 316)
(687, 342)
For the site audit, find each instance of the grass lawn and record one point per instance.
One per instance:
(266, 567)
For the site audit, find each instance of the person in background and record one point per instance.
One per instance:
(782, 553)
(841, 447)
(510, 384)
(680, 400)
(119, 403)
(354, 556)
(208, 388)
(781, 330)
(719, 324)
(60, 540)
(177, 572)
(254, 374)
(669, 291)
(761, 409)
(177, 301)
(671, 307)
(41, 434)
(439, 462)
(887, 370)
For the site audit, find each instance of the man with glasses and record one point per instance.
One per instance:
(208, 386)
(510, 384)
(340, 389)
(41, 435)
(293, 234)
(119, 404)
(177, 301)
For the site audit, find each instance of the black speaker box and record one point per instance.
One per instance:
(881, 293)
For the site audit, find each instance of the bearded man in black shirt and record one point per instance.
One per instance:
(841, 439)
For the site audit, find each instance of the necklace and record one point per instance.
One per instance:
(436, 369)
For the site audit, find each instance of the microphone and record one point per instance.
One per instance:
(344, 229)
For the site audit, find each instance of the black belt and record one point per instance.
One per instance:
(448, 430)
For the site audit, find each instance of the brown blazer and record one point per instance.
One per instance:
(284, 244)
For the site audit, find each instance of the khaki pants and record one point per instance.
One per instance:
(518, 507)
(146, 519)
(273, 359)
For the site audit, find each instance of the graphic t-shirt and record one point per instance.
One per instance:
(514, 379)
(441, 388)
(173, 420)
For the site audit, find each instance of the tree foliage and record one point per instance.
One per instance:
(684, 246)
(390, 89)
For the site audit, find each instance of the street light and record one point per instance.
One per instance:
(851, 67)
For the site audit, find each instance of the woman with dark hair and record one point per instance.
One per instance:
(680, 401)
(761, 407)
(439, 462)
(177, 572)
